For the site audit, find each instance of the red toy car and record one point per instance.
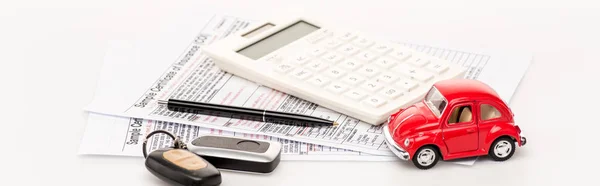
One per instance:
(458, 118)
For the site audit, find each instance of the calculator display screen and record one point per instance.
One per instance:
(277, 40)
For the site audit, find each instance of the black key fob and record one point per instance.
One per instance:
(238, 154)
(181, 167)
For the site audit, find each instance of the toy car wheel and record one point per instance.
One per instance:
(426, 157)
(502, 149)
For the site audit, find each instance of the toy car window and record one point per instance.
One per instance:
(461, 114)
(489, 112)
(435, 102)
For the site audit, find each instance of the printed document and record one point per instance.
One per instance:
(111, 135)
(132, 82)
(119, 136)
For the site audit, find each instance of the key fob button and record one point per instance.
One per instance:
(184, 159)
(248, 145)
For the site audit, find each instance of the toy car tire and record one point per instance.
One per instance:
(426, 157)
(502, 149)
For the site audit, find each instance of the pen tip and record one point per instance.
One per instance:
(335, 124)
(162, 102)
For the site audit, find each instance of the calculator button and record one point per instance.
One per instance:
(319, 36)
(335, 72)
(372, 86)
(284, 67)
(350, 64)
(316, 52)
(333, 58)
(348, 36)
(319, 81)
(368, 71)
(419, 61)
(356, 94)
(407, 84)
(392, 92)
(400, 55)
(382, 48)
(317, 66)
(375, 101)
(413, 72)
(387, 77)
(301, 74)
(299, 60)
(366, 56)
(336, 87)
(363, 42)
(437, 67)
(348, 50)
(353, 79)
(385, 62)
(275, 58)
(332, 44)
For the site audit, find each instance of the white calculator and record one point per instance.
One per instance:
(339, 69)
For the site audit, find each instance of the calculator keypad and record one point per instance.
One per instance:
(362, 70)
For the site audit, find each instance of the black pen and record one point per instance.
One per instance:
(245, 113)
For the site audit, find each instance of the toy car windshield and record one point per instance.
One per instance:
(435, 101)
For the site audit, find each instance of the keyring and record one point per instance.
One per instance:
(156, 132)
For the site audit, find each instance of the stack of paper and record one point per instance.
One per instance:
(125, 107)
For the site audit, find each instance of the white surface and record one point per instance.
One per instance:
(52, 54)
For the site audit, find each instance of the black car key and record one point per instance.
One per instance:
(178, 166)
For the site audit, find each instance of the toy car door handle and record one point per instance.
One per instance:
(470, 130)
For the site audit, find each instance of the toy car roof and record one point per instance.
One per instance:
(465, 88)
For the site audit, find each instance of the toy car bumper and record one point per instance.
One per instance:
(393, 146)
(523, 140)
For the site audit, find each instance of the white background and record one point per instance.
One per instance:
(51, 54)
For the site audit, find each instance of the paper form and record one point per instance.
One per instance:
(119, 136)
(193, 76)
(110, 135)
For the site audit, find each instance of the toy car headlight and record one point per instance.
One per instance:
(406, 142)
